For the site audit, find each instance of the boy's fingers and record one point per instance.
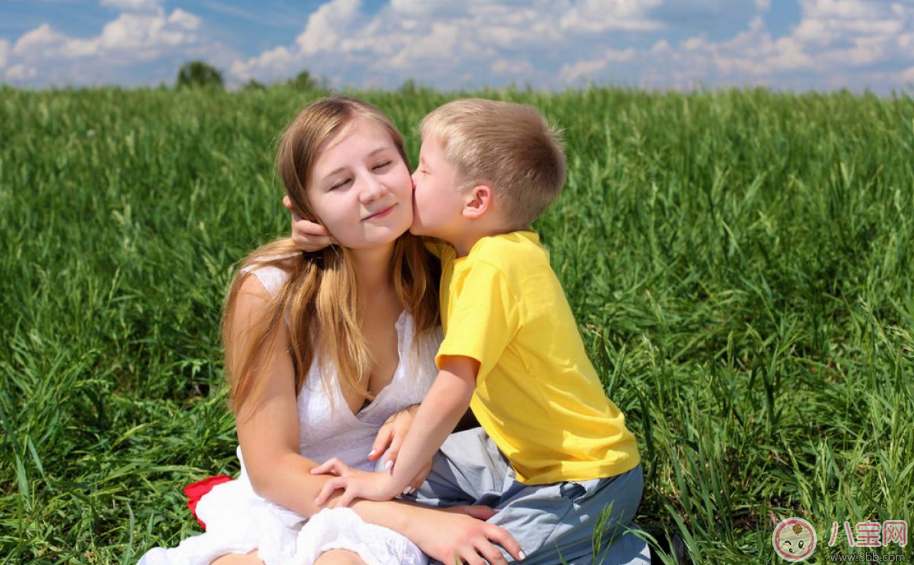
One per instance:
(321, 469)
(310, 243)
(328, 489)
(346, 499)
(334, 466)
(324, 468)
(309, 228)
(504, 539)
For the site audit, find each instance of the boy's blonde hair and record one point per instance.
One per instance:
(508, 146)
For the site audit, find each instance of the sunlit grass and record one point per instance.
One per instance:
(739, 263)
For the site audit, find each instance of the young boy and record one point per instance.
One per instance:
(553, 452)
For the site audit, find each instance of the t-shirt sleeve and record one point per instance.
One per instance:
(434, 246)
(483, 320)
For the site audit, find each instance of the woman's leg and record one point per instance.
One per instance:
(238, 559)
(339, 557)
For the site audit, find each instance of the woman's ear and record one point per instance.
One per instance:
(480, 201)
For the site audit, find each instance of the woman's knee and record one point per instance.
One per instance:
(339, 557)
(238, 559)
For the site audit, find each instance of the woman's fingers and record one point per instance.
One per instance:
(395, 444)
(420, 478)
(491, 553)
(381, 442)
(469, 556)
(506, 540)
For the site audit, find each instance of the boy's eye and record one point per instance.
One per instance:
(381, 166)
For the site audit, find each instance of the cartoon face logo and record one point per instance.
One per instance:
(794, 539)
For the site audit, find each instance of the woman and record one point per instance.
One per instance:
(321, 350)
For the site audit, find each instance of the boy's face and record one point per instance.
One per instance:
(437, 201)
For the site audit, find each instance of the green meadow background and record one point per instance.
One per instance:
(739, 262)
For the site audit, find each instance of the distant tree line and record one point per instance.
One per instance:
(199, 74)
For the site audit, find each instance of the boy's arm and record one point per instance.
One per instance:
(442, 408)
(444, 405)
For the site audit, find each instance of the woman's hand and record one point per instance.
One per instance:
(355, 484)
(307, 236)
(460, 534)
(390, 438)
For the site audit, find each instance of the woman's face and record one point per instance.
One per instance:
(360, 187)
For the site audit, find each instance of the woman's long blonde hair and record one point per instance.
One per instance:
(320, 294)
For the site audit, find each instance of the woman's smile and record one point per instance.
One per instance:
(382, 214)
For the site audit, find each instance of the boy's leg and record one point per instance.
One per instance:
(550, 522)
(585, 522)
(468, 469)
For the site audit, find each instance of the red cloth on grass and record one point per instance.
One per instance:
(195, 492)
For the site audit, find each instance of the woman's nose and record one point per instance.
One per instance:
(374, 189)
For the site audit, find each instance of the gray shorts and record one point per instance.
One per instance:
(587, 522)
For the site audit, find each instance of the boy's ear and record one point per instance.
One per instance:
(480, 201)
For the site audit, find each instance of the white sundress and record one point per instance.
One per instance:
(239, 521)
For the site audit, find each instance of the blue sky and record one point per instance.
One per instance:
(448, 44)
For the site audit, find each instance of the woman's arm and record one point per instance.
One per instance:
(268, 428)
(267, 422)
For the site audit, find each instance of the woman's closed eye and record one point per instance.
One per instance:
(340, 184)
(381, 166)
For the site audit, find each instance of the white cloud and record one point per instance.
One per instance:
(184, 19)
(604, 15)
(907, 76)
(39, 38)
(133, 5)
(322, 33)
(573, 72)
(836, 43)
(468, 43)
(595, 69)
(18, 73)
(132, 38)
(4, 52)
(512, 68)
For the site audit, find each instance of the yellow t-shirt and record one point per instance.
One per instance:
(537, 394)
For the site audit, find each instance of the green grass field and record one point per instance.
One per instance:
(740, 264)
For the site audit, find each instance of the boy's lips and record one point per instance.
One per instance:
(380, 214)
